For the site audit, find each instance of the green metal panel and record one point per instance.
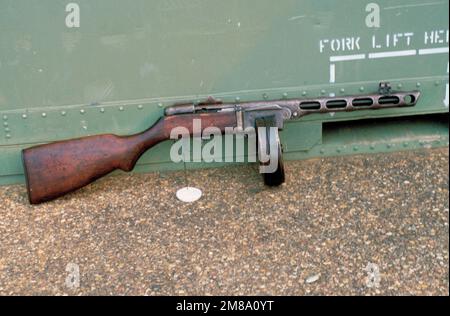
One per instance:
(117, 68)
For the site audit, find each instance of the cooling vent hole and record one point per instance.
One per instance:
(336, 104)
(362, 102)
(310, 105)
(389, 100)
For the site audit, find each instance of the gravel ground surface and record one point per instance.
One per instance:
(316, 235)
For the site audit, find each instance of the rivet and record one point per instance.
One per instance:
(237, 99)
(399, 86)
(44, 114)
(8, 136)
(160, 105)
(82, 111)
(63, 113)
(140, 107)
(436, 83)
(342, 90)
(322, 91)
(5, 123)
(388, 145)
(418, 84)
(121, 108)
(285, 95)
(361, 88)
(7, 129)
(405, 144)
(24, 116)
(102, 110)
(5, 117)
(338, 150)
(304, 93)
(355, 148)
(372, 147)
(322, 151)
(265, 96)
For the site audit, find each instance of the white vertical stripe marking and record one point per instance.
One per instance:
(332, 73)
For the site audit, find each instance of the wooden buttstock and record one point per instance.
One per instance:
(55, 169)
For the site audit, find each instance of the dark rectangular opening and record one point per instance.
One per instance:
(383, 130)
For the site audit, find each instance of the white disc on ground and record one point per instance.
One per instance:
(189, 194)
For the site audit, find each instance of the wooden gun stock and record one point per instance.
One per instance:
(55, 169)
